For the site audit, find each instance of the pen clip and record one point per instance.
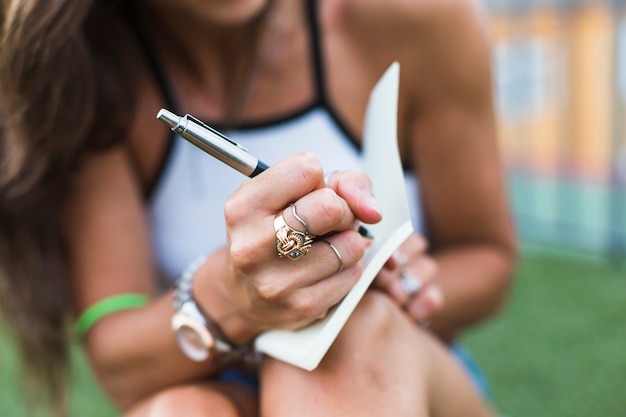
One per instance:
(216, 132)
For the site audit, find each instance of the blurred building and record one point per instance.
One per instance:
(560, 73)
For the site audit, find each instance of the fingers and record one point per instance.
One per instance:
(299, 178)
(388, 280)
(393, 277)
(355, 187)
(307, 304)
(321, 262)
(322, 211)
(409, 278)
(340, 251)
(425, 303)
(423, 292)
(304, 290)
(283, 183)
(415, 245)
(329, 292)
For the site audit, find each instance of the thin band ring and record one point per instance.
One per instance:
(334, 248)
(411, 284)
(328, 175)
(290, 242)
(295, 214)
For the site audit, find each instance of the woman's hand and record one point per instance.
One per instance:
(408, 277)
(253, 289)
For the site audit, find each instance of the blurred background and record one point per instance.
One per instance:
(560, 73)
(559, 346)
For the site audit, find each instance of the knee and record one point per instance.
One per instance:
(377, 314)
(189, 401)
(376, 323)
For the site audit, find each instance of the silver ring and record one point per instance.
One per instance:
(401, 258)
(290, 242)
(328, 175)
(295, 214)
(336, 253)
(410, 283)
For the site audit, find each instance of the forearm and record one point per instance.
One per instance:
(134, 353)
(475, 282)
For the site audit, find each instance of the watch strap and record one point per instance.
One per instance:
(185, 303)
(182, 289)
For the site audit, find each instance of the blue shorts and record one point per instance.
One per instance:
(477, 378)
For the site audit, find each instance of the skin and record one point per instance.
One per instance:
(446, 135)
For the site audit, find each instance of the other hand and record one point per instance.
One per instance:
(409, 278)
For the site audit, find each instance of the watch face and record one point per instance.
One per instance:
(192, 343)
(193, 338)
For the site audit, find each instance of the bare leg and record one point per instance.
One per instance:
(380, 365)
(199, 400)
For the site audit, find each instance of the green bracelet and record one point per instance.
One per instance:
(107, 306)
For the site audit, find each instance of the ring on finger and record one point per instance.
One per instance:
(334, 248)
(410, 282)
(401, 258)
(328, 175)
(290, 243)
(302, 222)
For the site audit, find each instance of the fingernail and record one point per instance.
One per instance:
(435, 296)
(400, 258)
(371, 201)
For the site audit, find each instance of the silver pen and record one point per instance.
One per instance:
(213, 142)
(219, 146)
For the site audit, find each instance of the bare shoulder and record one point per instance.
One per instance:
(410, 11)
(437, 39)
(396, 20)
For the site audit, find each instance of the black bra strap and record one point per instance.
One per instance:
(318, 68)
(316, 52)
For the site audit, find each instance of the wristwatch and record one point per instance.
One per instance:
(198, 336)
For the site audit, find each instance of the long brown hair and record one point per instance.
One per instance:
(60, 71)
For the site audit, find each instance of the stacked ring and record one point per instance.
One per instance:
(334, 248)
(291, 243)
(302, 222)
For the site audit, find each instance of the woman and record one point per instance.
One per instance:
(100, 203)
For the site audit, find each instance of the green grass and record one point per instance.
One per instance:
(557, 350)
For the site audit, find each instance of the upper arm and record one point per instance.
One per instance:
(106, 230)
(450, 136)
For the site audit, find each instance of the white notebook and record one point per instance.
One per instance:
(306, 347)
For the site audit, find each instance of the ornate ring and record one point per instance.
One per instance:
(290, 242)
(410, 283)
(336, 253)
